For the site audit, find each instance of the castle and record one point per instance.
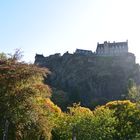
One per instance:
(107, 49)
(92, 76)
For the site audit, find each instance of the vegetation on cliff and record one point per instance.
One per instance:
(90, 79)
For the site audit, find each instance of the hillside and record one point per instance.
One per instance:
(90, 79)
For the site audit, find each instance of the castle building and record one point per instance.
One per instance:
(105, 49)
(83, 52)
(112, 49)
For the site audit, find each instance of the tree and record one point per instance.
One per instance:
(23, 100)
(3, 56)
(133, 92)
(85, 124)
(127, 117)
(60, 98)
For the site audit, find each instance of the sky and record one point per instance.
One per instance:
(56, 26)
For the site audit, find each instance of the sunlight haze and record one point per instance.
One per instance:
(56, 26)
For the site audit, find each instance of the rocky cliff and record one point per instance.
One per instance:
(91, 79)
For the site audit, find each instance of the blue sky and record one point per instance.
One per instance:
(52, 26)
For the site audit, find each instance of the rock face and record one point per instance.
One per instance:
(91, 79)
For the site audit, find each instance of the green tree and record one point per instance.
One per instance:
(85, 124)
(133, 92)
(128, 119)
(60, 98)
